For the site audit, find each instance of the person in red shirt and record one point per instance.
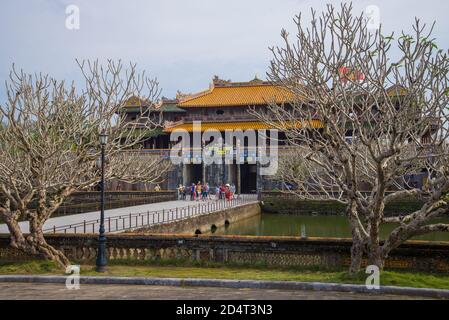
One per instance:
(228, 192)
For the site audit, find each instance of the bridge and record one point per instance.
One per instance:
(136, 217)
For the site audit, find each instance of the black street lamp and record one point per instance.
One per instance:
(101, 254)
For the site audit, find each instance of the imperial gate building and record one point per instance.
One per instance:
(223, 107)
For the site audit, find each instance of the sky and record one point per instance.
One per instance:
(182, 43)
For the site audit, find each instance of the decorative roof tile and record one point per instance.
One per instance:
(238, 94)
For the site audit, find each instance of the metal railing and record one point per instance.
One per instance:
(141, 219)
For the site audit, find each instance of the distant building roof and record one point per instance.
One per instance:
(227, 93)
(169, 105)
(397, 90)
(135, 101)
(136, 104)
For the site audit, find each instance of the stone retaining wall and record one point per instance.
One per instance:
(287, 203)
(207, 222)
(275, 251)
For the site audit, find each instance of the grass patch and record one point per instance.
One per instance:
(30, 267)
(188, 269)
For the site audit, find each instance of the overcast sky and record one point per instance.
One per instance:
(181, 42)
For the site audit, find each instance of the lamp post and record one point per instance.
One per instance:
(101, 254)
(237, 161)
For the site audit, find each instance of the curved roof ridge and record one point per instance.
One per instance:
(186, 97)
(238, 94)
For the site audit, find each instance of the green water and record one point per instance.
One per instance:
(314, 226)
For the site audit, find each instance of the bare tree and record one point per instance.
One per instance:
(49, 144)
(367, 111)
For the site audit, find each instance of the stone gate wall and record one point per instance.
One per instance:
(273, 251)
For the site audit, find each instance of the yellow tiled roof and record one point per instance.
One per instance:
(238, 95)
(244, 125)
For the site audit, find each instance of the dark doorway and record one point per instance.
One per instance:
(192, 174)
(248, 178)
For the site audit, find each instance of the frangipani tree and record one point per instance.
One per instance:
(49, 145)
(382, 105)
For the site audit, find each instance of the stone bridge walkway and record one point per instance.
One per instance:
(127, 218)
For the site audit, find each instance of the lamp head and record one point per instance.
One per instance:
(103, 138)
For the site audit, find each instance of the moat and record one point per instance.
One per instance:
(313, 226)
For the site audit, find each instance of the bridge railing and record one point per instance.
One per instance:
(126, 222)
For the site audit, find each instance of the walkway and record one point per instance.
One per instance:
(122, 219)
(47, 291)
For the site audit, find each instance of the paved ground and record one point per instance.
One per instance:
(41, 291)
(79, 218)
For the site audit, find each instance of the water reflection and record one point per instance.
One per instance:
(312, 226)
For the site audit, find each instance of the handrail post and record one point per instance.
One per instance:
(84, 226)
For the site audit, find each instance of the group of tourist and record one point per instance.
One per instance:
(201, 192)
(225, 191)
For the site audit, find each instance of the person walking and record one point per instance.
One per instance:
(217, 192)
(204, 197)
(232, 189)
(198, 191)
(222, 191)
(184, 191)
(228, 192)
(192, 192)
(180, 192)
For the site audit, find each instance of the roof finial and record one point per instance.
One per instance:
(217, 81)
(256, 79)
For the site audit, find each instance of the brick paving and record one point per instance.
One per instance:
(47, 291)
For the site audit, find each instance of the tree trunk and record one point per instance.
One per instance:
(374, 249)
(356, 256)
(375, 257)
(37, 240)
(34, 243)
(17, 238)
(357, 241)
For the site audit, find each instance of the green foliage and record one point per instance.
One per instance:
(29, 267)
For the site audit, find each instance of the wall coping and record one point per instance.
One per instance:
(344, 242)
